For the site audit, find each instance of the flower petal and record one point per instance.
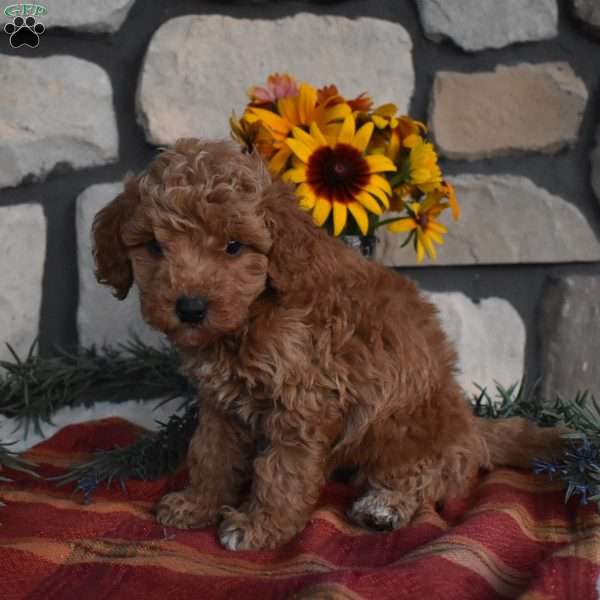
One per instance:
(450, 193)
(340, 214)
(402, 225)
(336, 112)
(278, 162)
(271, 120)
(412, 140)
(379, 193)
(381, 182)
(295, 175)
(307, 203)
(429, 247)
(437, 227)
(307, 100)
(302, 151)
(386, 110)
(378, 163)
(321, 211)
(288, 109)
(305, 138)
(394, 146)
(379, 122)
(360, 216)
(369, 202)
(317, 134)
(363, 136)
(419, 248)
(436, 237)
(346, 134)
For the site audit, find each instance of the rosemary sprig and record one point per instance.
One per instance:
(33, 388)
(153, 455)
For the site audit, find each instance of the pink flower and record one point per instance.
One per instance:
(278, 86)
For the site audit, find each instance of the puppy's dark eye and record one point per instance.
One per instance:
(154, 247)
(233, 248)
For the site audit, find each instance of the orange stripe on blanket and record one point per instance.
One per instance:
(168, 555)
(474, 556)
(56, 458)
(549, 530)
(521, 480)
(586, 546)
(139, 508)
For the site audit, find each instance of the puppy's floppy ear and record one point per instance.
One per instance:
(301, 254)
(113, 266)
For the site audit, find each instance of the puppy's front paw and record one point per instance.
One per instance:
(238, 531)
(185, 511)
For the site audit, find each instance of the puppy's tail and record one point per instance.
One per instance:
(515, 442)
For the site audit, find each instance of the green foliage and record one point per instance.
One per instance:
(153, 455)
(582, 414)
(34, 388)
(11, 460)
(579, 466)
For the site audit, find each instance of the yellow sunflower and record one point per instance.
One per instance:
(294, 111)
(424, 170)
(423, 225)
(335, 175)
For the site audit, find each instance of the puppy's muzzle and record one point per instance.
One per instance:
(190, 309)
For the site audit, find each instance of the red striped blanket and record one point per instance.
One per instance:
(512, 538)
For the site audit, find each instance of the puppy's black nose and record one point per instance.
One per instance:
(190, 309)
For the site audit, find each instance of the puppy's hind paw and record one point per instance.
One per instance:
(379, 510)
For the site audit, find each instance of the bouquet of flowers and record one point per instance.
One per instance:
(355, 167)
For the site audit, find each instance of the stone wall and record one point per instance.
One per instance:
(511, 91)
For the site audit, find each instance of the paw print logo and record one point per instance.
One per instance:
(24, 32)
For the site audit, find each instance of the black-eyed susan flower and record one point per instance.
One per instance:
(335, 175)
(422, 225)
(350, 163)
(294, 111)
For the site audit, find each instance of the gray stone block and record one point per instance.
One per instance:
(54, 111)
(595, 166)
(505, 219)
(197, 69)
(570, 336)
(22, 257)
(93, 17)
(490, 339)
(588, 13)
(479, 24)
(525, 108)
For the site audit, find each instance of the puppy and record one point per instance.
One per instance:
(306, 356)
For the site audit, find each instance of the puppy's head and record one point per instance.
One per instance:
(193, 235)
